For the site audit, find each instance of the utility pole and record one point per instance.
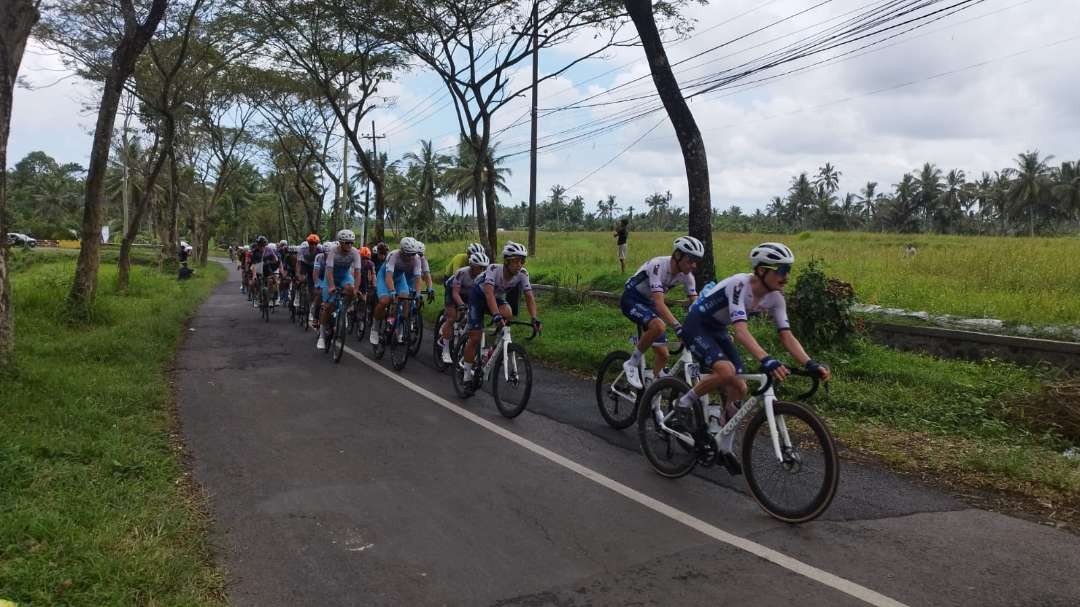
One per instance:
(532, 149)
(374, 163)
(344, 179)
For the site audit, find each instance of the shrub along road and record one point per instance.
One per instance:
(343, 485)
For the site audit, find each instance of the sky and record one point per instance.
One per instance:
(970, 91)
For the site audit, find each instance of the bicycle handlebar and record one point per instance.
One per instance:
(814, 377)
(494, 333)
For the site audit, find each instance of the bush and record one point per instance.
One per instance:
(820, 308)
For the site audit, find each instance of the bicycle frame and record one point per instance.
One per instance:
(684, 364)
(726, 433)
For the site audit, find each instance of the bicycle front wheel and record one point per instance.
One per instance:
(512, 382)
(669, 455)
(341, 333)
(416, 331)
(798, 487)
(399, 344)
(616, 398)
(436, 349)
(457, 372)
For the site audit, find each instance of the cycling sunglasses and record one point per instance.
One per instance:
(782, 269)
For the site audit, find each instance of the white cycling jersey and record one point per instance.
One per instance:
(496, 277)
(463, 278)
(655, 276)
(337, 258)
(398, 263)
(732, 300)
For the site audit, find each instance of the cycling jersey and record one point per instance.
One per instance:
(495, 276)
(456, 263)
(403, 270)
(343, 262)
(464, 280)
(655, 276)
(306, 253)
(367, 268)
(732, 300)
(319, 267)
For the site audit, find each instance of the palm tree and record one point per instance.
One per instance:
(827, 181)
(607, 208)
(1067, 189)
(950, 209)
(928, 191)
(426, 171)
(459, 175)
(867, 200)
(658, 207)
(1031, 185)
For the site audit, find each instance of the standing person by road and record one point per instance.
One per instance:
(620, 235)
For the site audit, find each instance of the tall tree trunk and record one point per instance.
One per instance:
(478, 204)
(686, 129)
(17, 18)
(170, 219)
(123, 264)
(136, 36)
(489, 199)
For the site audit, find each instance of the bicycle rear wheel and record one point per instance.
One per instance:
(512, 382)
(436, 349)
(616, 398)
(801, 486)
(667, 454)
(399, 344)
(305, 308)
(264, 303)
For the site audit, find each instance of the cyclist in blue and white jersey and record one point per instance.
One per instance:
(489, 297)
(425, 273)
(731, 302)
(456, 297)
(398, 277)
(643, 302)
(341, 270)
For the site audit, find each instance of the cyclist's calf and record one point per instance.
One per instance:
(723, 376)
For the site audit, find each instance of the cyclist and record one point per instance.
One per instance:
(288, 271)
(425, 273)
(456, 296)
(488, 296)
(731, 302)
(341, 267)
(462, 259)
(399, 277)
(260, 249)
(643, 302)
(305, 268)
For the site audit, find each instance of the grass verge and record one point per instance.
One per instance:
(95, 510)
(946, 421)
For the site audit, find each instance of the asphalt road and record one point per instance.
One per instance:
(350, 485)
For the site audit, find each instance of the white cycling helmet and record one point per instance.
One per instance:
(771, 253)
(346, 235)
(423, 247)
(479, 259)
(409, 245)
(514, 249)
(475, 247)
(283, 244)
(690, 246)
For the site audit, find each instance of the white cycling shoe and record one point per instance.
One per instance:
(374, 336)
(321, 344)
(446, 358)
(633, 373)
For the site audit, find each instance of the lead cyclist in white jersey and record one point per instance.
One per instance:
(643, 302)
(730, 303)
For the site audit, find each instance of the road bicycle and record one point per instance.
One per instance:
(416, 325)
(301, 304)
(458, 332)
(397, 333)
(360, 316)
(337, 330)
(616, 398)
(788, 456)
(264, 298)
(505, 362)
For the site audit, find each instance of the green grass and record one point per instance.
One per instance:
(94, 510)
(1022, 280)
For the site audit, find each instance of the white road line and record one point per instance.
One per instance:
(778, 558)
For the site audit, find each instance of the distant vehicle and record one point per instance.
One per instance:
(22, 240)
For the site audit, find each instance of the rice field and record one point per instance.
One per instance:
(1020, 280)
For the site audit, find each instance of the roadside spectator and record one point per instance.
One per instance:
(620, 234)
